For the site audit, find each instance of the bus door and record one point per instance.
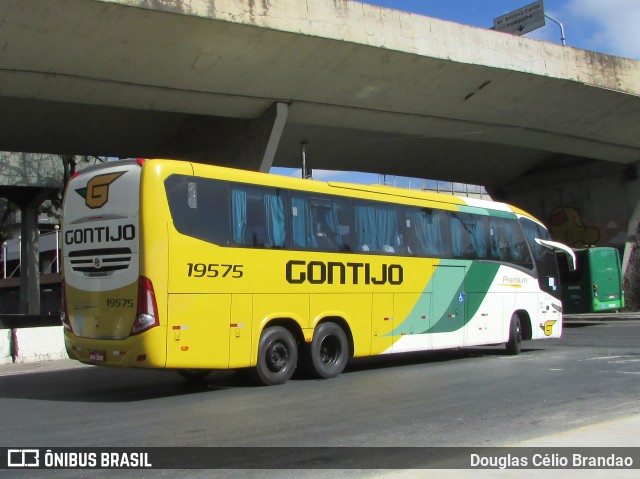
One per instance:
(448, 316)
(411, 322)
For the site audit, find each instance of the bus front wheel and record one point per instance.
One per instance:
(277, 356)
(328, 352)
(514, 345)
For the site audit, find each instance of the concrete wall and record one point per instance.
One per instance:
(587, 204)
(5, 346)
(31, 344)
(361, 23)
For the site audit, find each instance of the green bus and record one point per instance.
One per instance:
(596, 283)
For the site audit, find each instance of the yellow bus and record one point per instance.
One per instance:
(177, 265)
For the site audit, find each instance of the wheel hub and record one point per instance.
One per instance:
(277, 356)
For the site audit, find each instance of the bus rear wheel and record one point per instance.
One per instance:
(514, 345)
(329, 351)
(277, 356)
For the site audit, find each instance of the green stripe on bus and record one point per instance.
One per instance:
(446, 298)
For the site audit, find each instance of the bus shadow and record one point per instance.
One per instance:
(581, 324)
(110, 385)
(428, 357)
(105, 385)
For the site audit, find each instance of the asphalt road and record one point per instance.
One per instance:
(475, 397)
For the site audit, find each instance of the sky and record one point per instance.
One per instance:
(604, 26)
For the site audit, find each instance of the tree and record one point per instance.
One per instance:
(37, 169)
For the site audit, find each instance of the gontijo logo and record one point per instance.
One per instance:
(548, 327)
(96, 194)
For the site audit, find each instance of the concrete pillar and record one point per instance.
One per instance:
(247, 144)
(30, 255)
(272, 122)
(631, 262)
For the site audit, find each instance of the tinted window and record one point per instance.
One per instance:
(376, 227)
(258, 216)
(199, 207)
(426, 232)
(533, 230)
(507, 243)
(320, 223)
(468, 236)
(263, 217)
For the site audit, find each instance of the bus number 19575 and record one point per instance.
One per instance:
(211, 270)
(120, 303)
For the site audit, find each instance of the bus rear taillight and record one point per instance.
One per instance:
(64, 314)
(147, 312)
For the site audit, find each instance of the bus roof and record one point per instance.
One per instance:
(383, 192)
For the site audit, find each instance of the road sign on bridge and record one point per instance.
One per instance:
(521, 21)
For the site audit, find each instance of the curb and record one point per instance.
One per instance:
(627, 316)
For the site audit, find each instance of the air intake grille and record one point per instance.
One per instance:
(100, 262)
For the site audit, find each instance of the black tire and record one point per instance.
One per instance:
(514, 345)
(328, 353)
(277, 356)
(194, 374)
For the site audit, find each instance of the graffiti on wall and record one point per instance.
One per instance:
(566, 226)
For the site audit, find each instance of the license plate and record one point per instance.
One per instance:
(98, 356)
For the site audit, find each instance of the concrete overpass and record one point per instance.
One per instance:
(243, 83)
(370, 89)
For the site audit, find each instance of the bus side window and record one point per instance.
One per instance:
(500, 248)
(319, 223)
(410, 232)
(478, 231)
(325, 226)
(495, 240)
(376, 227)
(388, 229)
(258, 217)
(518, 244)
(248, 219)
(467, 238)
(199, 207)
(275, 219)
(302, 223)
(181, 213)
(255, 232)
(239, 215)
(342, 214)
(212, 205)
(427, 232)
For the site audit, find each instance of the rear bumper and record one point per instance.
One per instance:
(613, 305)
(145, 350)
